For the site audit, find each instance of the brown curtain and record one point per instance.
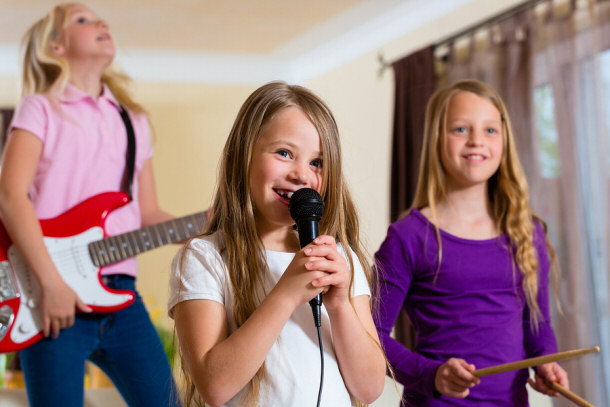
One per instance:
(5, 119)
(415, 82)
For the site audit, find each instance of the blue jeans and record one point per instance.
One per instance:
(124, 344)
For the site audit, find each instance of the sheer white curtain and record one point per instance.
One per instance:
(573, 61)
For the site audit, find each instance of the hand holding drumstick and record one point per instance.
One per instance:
(551, 379)
(454, 378)
(549, 372)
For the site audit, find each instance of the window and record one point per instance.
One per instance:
(604, 68)
(546, 131)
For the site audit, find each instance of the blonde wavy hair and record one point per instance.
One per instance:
(507, 188)
(44, 72)
(233, 209)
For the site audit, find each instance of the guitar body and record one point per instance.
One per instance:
(67, 238)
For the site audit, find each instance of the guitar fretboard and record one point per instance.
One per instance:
(120, 247)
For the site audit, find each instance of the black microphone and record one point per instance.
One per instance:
(306, 208)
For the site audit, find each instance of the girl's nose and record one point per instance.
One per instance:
(103, 24)
(298, 175)
(476, 137)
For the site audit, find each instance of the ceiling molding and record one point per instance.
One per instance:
(359, 30)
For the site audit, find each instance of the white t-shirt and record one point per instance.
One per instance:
(293, 363)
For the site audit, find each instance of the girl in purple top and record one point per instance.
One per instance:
(67, 143)
(469, 263)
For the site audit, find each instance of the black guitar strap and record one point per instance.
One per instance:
(127, 184)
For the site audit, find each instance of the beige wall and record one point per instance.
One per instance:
(191, 123)
(8, 91)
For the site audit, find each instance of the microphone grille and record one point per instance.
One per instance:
(306, 203)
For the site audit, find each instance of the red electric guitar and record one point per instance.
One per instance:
(79, 247)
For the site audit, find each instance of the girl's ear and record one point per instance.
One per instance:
(57, 48)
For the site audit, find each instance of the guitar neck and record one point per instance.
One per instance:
(120, 247)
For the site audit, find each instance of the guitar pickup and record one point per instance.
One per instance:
(8, 288)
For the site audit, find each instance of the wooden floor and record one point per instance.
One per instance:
(93, 398)
(104, 397)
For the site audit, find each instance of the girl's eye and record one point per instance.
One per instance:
(460, 129)
(492, 131)
(316, 163)
(81, 20)
(283, 153)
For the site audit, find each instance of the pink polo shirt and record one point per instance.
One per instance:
(84, 148)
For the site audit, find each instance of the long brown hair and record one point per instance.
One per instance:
(44, 72)
(233, 210)
(507, 188)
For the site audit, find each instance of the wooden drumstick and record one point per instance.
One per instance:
(540, 360)
(573, 397)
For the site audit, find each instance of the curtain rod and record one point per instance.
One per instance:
(492, 20)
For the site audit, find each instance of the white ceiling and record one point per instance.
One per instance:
(234, 41)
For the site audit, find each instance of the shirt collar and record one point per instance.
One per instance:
(73, 94)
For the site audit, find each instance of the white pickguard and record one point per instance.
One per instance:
(71, 257)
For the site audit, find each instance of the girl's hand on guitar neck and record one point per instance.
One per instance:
(58, 305)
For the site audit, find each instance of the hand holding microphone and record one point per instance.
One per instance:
(306, 208)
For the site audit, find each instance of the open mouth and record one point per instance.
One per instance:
(285, 195)
(474, 157)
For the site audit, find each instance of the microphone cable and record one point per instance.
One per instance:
(321, 365)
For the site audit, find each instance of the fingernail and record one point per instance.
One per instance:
(308, 250)
(307, 265)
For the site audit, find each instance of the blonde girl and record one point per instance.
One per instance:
(469, 263)
(239, 293)
(67, 143)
